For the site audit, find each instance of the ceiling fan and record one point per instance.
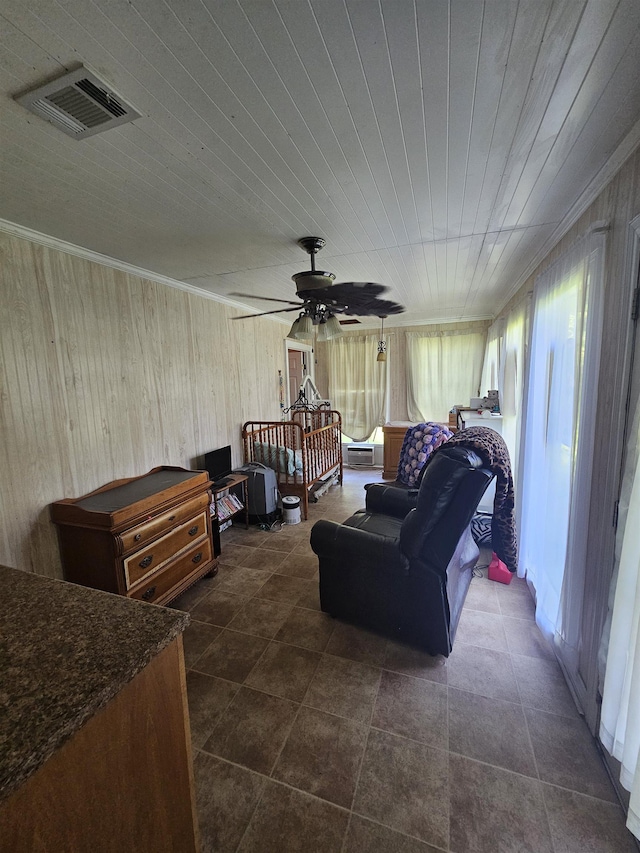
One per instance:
(322, 299)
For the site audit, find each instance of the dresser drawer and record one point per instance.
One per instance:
(148, 530)
(148, 560)
(154, 588)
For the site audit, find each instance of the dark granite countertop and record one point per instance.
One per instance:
(65, 651)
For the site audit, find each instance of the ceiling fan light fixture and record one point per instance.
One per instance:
(293, 331)
(333, 328)
(305, 329)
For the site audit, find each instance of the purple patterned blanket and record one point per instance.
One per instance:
(419, 443)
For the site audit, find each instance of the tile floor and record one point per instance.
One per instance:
(313, 735)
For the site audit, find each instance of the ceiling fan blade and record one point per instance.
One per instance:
(374, 308)
(356, 298)
(343, 291)
(264, 298)
(264, 313)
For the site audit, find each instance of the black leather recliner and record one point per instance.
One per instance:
(402, 566)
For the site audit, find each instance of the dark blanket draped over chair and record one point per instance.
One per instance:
(491, 448)
(403, 565)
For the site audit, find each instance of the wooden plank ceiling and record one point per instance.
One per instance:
(439, 147)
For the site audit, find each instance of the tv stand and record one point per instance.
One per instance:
(221, 483)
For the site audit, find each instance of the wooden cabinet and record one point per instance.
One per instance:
(124, 781)
(394, 434)
(96, 749)
(147, 537)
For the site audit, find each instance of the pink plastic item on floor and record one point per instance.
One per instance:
(498, 571)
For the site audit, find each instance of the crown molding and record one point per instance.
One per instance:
(50, 242)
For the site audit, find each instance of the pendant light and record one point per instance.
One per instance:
(382, 344)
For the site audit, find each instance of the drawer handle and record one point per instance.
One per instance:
(193, 530)
(137, 537)
(172, 518)
(149, 593)
(197, 558)
(146, 562)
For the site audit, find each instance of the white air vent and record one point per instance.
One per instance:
(79, 103)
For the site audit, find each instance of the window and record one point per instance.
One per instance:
(443, 369)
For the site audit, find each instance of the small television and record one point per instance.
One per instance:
(218, 463)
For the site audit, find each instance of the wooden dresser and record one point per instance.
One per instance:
(145, 537)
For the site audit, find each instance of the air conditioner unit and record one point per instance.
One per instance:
(360, 455)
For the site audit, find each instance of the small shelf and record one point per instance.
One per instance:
(227, 505)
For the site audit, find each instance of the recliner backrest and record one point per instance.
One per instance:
(451, 488)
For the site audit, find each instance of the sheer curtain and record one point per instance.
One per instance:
(514, 349)
(443, 368)
(620, 712)
(357, 383)
(492, 366)
(559, 438)
(504, 369)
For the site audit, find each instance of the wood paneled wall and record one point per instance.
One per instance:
(103, 375)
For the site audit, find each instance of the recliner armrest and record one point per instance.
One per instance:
(390, 500)
(354, 546)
